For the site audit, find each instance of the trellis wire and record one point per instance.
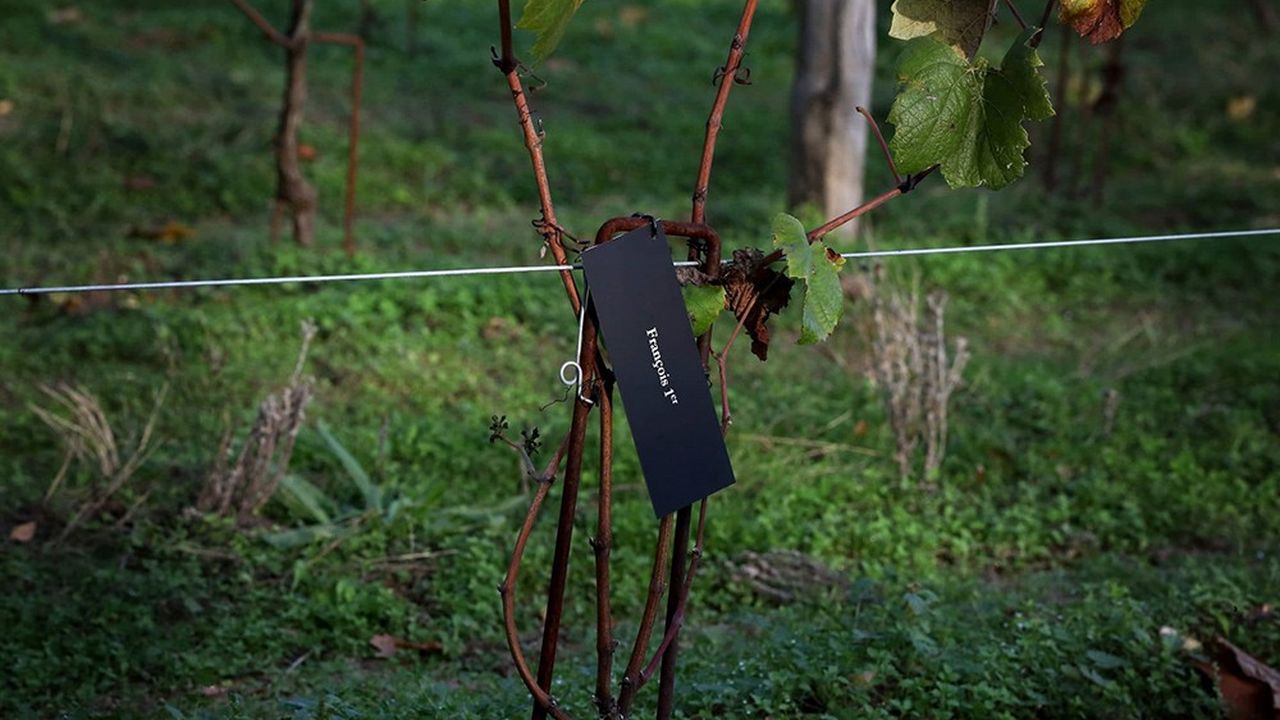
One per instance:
(516, 269)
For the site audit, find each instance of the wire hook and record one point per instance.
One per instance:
(571, 371)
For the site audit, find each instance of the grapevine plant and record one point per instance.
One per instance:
(957, 115)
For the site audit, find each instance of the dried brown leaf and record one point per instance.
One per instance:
(24, 533)
(1231, 656)
(384, 645)
(1239, 108)
(169, 233)
(1250, 689)
(64, 16)
(1101, 21)
(174, 231)
(139, 182)
(633, 15)
(753, 293)
(424, 648)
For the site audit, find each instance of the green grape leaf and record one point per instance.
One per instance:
(967, 116)
(548, 19)
(933, 113)
(1020, 70)
(704, 302)
(819, 267)
(958, 23)
(1101, 20)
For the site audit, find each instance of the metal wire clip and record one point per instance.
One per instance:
(571, 371)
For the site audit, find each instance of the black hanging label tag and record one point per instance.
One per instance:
(655, 357)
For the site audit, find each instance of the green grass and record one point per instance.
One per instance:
(1030, 579)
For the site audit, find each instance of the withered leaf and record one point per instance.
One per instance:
(754, 293)
(1249, 688)
(64, 16)
(23, 533)
(1250, 667)
(687, 276)
(139, 182)
(1100, 21)
(958, 23)
(386, 646)
(170, 233)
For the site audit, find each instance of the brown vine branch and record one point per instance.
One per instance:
(264, 25)
(1113, 72)
(1049, 175)
(353, 143)
(728, 80)
(549, 227)
(508, 588)
(884, 146)
(671, 649)
(722, 359)
(602, 544)
(722, 363)
(510, 67)
(677, 622)
(564, 525)
(1044, 23)
(905, 187)
(508, 62)
(821, 231)
(657, 586)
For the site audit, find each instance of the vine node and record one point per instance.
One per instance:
(741, 75)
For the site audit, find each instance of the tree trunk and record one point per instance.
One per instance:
(835, 61)
(1268, 17)
(1106, 107)
(1049, 176)
(292, 189)
(369, 20)
(411, 27)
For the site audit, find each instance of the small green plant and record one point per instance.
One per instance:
(328, 518)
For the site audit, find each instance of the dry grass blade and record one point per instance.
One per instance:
(941, 378)
(87, 434)
(244, 488)
(912, 368)
(84, 429)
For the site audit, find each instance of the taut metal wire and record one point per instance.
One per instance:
(517, 269)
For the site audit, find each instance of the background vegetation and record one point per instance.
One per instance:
(1031, 578)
